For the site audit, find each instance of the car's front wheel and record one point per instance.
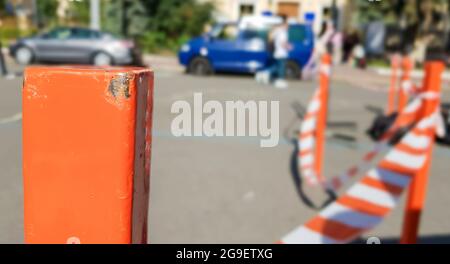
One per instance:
(102, 59)
(293, 71)
(24, 55)
(200, 66)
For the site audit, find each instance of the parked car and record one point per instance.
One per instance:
(75, 45)
(243, 48)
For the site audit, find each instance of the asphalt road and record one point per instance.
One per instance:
(229, 190)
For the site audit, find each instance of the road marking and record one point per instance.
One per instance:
(11, 119)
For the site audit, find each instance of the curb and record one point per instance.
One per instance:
(415, 74)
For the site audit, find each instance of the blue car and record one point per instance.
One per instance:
(231, 47)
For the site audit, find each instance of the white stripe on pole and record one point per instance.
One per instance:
(418, 142)
(407, 160)
(349, 217)
(307, 160)
(390, 177)
(304, 235)
(309, 125)
(373, 195)
(307, 143)
(314, 106)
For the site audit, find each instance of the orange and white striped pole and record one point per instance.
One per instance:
(403, 96)
(322, 118)
(417, 190)
(395, 64)
(86, 154)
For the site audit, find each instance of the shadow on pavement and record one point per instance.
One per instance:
(300, 111)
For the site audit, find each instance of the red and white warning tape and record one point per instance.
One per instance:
(374, 196)
(405, 119)
(409, 87)
(308, 130)
(306, 142)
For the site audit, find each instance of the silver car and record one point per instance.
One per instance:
(76, 45)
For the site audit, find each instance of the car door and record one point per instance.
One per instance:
(51, 46)
(81, 44)
(302, 39)
(238, 50)
(252, 50)
(221, 48)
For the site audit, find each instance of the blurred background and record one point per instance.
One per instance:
(164, 26)
(229, 190)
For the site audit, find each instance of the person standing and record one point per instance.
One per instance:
(280, 38)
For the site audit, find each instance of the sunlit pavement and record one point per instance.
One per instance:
(229, 190)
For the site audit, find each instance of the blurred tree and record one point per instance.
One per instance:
(187, 18)
(46, 12)
(136, 18)
(157, 24)
(2, 6)
(425, 19)
(377, 11)
(79, 12)
(112, 16)
(125, 17)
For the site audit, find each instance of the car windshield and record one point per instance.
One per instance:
(225, 31)
(250, 34)
(231, 32)
(72, 33)
(297, 33)
(81, 33)
(59, 33)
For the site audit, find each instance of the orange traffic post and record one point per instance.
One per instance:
(395, 64)
(417, 190)
(86, 154)
(407, 67)
(324, 82)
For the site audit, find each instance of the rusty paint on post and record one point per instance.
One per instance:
(86, 154)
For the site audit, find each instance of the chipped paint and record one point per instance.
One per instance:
(89, 119)
(33, 93)
(120, 86)
(118, 89)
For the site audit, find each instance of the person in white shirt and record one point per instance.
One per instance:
(280, 38)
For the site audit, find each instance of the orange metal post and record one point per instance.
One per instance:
(395, 64)
(86, 154)
(407, 67)
(417, 190)
(324, 83)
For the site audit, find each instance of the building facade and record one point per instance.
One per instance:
(315, 11)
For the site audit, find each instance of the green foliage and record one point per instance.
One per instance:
(377, 11)
(47, 11)
(392, 11)
(186, 17)
(2, 6)
(7, 34)
(138, 19)
(79, 12)
(158, 25)
(153, 41)
(112, 16)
